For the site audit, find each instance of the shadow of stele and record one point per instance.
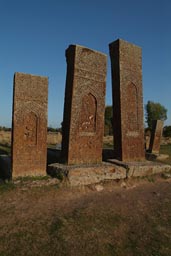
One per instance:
(5, 167)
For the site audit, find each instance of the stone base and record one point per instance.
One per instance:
(152, 156)
(113, 170)
(86, 174)
(139, 169)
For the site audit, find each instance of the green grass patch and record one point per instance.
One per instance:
(56, 226)
(6, 187)
(51, 146)
(166, 150)
(108, 145)
(5, 149)
(32, 178)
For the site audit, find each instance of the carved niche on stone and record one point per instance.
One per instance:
(132, 111)
(87, 119)
(30, 128)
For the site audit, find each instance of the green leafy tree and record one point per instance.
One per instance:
(155, 111)
(167, 131)
(51, 129)
(108, 120)
(6, 129)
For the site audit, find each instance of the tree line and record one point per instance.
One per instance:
(153, 111)
(6, 129)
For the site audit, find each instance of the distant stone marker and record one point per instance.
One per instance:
(156, 135)
(127, 101)
(29, 133)
(147, 139)
(83, 122)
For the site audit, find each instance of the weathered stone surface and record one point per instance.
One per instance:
(91, 175)
(147, 169)
(152, 157)
(156, 136)
(162, 157)
(87, 174)
(83, 122)
(127, 101)
(29, 133)
(147, 142)
(140, 169)
(147, 139)
(113, 170)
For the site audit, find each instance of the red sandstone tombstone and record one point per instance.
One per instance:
(83, 122)
(156, 135)
(127, 101)
(29, 133)
(147, 138)
(147, 141)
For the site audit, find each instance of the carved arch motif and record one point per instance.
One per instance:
(87, 119)
(132, 110)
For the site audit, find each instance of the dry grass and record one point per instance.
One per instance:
(49, 220)
(166, 149)
(52, 137)
(37, 217)
(5, 138)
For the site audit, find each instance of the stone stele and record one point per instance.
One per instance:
(83, 122)
(156, 135)
(128, 125)
(29, 126)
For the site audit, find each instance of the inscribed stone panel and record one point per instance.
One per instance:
(83, 122)
(127, 101)
(29, 130)
(87, 119)
(156, 136)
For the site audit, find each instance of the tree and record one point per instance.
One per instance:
(108, 120)
(4, 128)
(51, 129)
(167, 131)
(154, 111)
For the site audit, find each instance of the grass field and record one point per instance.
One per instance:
(40, 216)
(52, 220)
(164, 149)
(5, 149)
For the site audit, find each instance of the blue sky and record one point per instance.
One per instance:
(35, 33)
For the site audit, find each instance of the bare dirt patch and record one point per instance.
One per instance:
(121, 218)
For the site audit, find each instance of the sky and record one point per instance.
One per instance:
(34, 35)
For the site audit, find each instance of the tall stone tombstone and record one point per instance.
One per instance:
(29, 126)
(156, 135)
(83, 121)
(127, 101)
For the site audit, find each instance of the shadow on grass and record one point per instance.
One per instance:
(5, 149)
(5, 167)
(4, 187)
